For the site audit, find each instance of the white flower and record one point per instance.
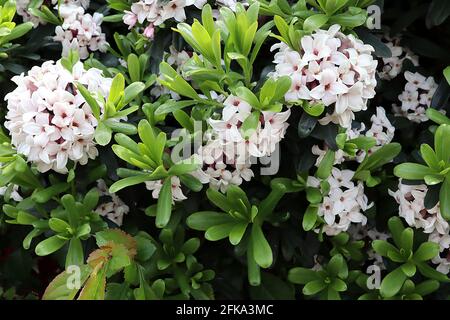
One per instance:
(48, 119)
(130, 19)
(231, 4)
(64, 9)
(233, 105)
(82, 32)
(174, 9)
(114, 209)
(411, 200)
(329, 88)
(391, 67)
(154, 12)
(344, 204)
(332, 68)
(13, 191)
(155, 187)
(416, 98)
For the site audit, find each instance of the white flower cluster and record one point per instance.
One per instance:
(155, 187)
(381, 130)
(115, 209)
(152, 13)
(411, 200)
(49, 120)
(82, 32)
(332, 68)
(227, 154)
(13, 190)
(64, 8)
(416, 97)
(344, 204)
(231, 4)
(391, 67)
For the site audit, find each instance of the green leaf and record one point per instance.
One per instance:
(116, 90)
(392, 283)
(249, 97)
(438, 12)
(444, 199)
(164, 208)
(250, 124)
(237, 233)
(436, 116)
(182, 168)
(184, 120)
(58, 225)
(75, 255)
(173, 106)
(172, 80)
(44, 195)
(427, 287)
(191, 182)
(58, 288)
(49, 245)
(442, 143)
(204, 220)
(412, 171)
(132, 92)
(336, 265)
(429, 156)
(130, 181)
(325, 166)
(134, 67)
(447, 74)
(313, 109)
(261, 248)
(409, 269)
(310, 218)
(302, 275)
(382, 247)
(380, 157)
(95, 286)
(407, 238)
(431, 272)
(426, 251)
(219, 232)
(103, 134)
(218, 199)
(95, 107)
(396, 227)
(313, 287)
(314, 22)
(17, 32)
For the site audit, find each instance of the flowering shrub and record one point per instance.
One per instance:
(224, 149)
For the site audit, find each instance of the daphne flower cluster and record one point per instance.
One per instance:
(390, 68)
(228, 151)
(64, 8)
(113, 208)
(344, 204)
(82, 32)
(411, 200)
(49, 120)
(13, 192)
(381, 130)
(416, 97)
(152, 13)
(332, 69)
